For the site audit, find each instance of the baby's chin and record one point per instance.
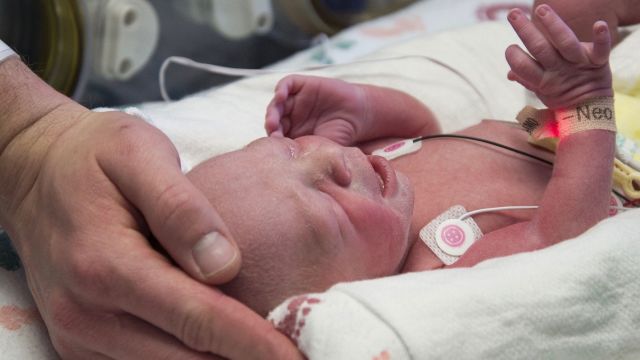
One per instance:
(403, 203)
(403, 200)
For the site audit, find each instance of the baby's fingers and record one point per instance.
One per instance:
(272, 118)
(524, 68)
(537, 44)
(515, 77)
(601, 43)
(560, 35)
(277, 108)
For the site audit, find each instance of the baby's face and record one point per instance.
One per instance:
(307, 213)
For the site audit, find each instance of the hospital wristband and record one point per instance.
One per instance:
(5, 51)
(593, 114)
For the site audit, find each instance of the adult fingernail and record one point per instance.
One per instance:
(513, 15)
(213, 253)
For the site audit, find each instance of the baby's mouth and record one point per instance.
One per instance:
(385, 173)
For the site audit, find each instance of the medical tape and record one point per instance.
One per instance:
(540, 124)
(5, 51)
(429, 233)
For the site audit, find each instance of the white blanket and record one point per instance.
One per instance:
(575, 300)
(225, 119)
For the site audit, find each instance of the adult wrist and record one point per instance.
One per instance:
(24, 99)
(32, 116)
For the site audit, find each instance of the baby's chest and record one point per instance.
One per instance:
(452, 172)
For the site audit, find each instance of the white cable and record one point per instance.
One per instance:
(216, 69)
(521, 207)
(224, 70)
(620, 208)
(500, 208)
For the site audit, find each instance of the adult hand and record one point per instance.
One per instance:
(77, 190)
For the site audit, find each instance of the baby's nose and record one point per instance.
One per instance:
(335, 163)
(340, 171)
(329, 158)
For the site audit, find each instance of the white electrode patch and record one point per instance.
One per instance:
(448, 237)
(398, 149)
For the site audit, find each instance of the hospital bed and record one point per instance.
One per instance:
(577, 299)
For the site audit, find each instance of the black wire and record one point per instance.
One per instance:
(472, 138)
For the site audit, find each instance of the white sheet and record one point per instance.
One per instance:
(225, 119)
(575, 300)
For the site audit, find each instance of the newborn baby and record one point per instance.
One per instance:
(309, 208)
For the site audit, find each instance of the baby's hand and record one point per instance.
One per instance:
(563, 71)
(309, 105)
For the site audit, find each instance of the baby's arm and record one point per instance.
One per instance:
(564, 74)
(350, 114)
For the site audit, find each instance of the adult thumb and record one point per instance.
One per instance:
(178, 214)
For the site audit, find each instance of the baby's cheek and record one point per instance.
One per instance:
(382, 235)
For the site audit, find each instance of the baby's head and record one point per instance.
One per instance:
(306, 214)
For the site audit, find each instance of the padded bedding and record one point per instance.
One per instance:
(574, 300)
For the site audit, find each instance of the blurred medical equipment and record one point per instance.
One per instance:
(95, 50)
(330, 16)
(66, 42)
